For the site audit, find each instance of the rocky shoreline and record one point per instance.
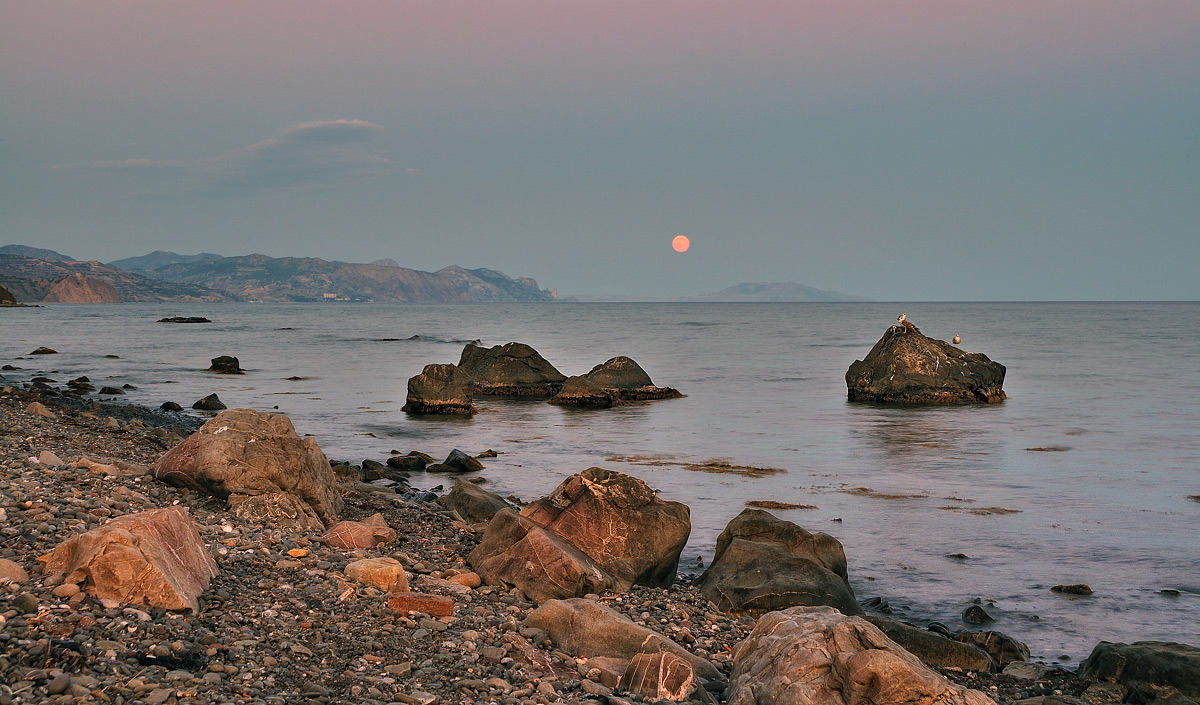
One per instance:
(281, 622)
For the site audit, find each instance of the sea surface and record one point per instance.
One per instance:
(936, 507)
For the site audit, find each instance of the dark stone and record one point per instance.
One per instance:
(226, 365)
(184, 319)
(440, 389)
(408, 463)
(907, 367)
(110, 390)
(474, 504)
(1145, 664)
(763, 563)
(1001, 647)
(1077, 589)
(583, 393)
(372, 470)
(513, 370)
(209, 403)
(44, 351)
(934, 649)
(462, 462)
(976, 615)
(170, 406)
(6, 297)
(628, 381)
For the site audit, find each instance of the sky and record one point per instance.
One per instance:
(899, 150)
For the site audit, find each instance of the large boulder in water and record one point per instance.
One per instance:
(763, 563)
(628, 380)
(619, 522)
(243, 452)
(579, 391)
(511, 370)
(1146, 666)
(818, 656)
(226, 365)
(154, 557)
(907, 367)
(440, 389)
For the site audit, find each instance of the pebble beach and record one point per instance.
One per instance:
(281, 622)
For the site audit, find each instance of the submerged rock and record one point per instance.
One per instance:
(511, 370)
(584, 393)
(907, 367)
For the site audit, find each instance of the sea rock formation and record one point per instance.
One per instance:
(154, 557)
(1146, 666)
(440, 389)
(6, 297)
(819, 656)
(79, 289)
(619, 522)
(628, 380)
(517, 551)
(907, 367)
(473, 503)
(209, 403)
(243, 452)
(581, 392)
(226, 365)
(583, 627)
(510, 370)
(763, 563)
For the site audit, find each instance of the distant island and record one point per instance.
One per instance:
(39, 275)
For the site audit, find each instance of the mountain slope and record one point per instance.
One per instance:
(31, 279)
(34, 252)
(158, 258)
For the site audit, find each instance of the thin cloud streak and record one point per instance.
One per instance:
(306, 156)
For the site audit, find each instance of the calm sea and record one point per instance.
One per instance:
(1112, 389)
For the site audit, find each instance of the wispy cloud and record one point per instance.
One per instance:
(306, 156)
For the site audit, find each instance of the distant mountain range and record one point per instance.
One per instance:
(35, 274)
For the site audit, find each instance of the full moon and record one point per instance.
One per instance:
(681, 243)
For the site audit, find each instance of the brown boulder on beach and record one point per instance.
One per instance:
(369, 533)
(583, 627)
(934, 649)
(764, 563)
(819, 656)
(619, 522)
(154, 557)
(908, 368)
(243, 452)
(510, 370)
(660, 676)
(440, 389)
(518, 552)
(628, 381)
(473, 503)
(1148, 666)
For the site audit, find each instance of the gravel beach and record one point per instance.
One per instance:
(281, 623)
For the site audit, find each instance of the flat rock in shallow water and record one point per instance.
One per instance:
(907, 367)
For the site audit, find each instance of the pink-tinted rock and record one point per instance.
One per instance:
(361, 534)
(819, 656)
(517, 551)
(619, 522)
(154, 557)
(660, 676)
(432, 605)
(240, 451)
(384, 573)
(11, 571)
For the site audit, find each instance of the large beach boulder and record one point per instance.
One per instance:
(511, 370)
(764, 563)
(628, 380)
(244, 452)
(154, 557)
(907, 367)
(440, 389)
(619, 522)
(1146, 665)
(581, 392)
(519, 552)
(583, 627)
(473, 503)
(819, 656)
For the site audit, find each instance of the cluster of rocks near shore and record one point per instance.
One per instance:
(515, 370)
(145, 561)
